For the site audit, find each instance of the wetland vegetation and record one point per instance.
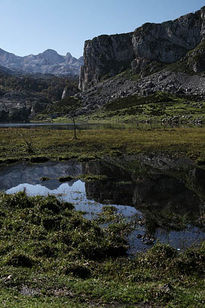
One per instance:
(52, 256)
(40, 143)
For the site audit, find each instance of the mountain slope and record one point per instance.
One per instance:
(47, 62)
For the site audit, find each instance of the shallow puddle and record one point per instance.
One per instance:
(151, 224)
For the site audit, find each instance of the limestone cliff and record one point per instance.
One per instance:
(105, 56)
(168, 42)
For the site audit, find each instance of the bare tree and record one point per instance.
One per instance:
(72, 106)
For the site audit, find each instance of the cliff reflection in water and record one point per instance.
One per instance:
(163, 200)
(161, 206)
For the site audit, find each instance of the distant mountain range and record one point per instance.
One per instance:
(47, 62)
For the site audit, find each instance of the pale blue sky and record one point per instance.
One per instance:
(31, 26)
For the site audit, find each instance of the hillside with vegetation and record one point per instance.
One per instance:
(22, 96)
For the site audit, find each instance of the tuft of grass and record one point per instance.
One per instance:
(65, 178)
(93, 177)
(44, 178)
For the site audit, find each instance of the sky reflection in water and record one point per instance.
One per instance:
(75, 193)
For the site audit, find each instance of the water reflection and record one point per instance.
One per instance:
(75, 193)
(160, 206)
(16, 174)
(114, 125)
(69, 126)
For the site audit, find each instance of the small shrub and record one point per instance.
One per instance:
(65, 179)
(51, 203)
(67, 206)
(191, 261)
(160, 255)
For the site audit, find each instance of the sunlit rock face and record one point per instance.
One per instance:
(169, 41)
(106, 56)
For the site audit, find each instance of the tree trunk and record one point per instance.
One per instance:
(74, 129)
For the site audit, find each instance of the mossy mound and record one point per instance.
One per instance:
(56, 223)
(50, 250)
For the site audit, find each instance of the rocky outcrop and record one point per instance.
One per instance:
(47, 62)
(105, 56)
(196, 58)
(169, 41)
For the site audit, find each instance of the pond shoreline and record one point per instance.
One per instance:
(51, 254)
(66, 264)
(165, 202)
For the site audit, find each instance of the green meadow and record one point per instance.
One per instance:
(20, 143)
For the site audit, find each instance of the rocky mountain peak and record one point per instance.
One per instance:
(50, 52)
(68, 55)
(50, 56)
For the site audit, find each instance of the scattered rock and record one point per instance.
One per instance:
(26, 291)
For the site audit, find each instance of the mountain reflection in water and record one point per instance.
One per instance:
(161, 207)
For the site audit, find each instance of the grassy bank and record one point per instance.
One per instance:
(19, 143)
(160, 107)
(156, 108)
(52, 257)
